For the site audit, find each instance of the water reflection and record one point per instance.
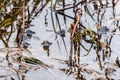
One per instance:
(96, 11)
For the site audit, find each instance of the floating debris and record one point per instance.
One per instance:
(61, 33)
(32, 60)
(118, 62)
(100, 78)
(103, 30)
(36, 38)
(46, 43)
(110, 71)
(29, 33)
(26, 38)
(35, 61)
(25, 45)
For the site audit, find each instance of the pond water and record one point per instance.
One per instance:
(103, 21)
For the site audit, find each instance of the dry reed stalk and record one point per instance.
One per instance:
(77, 22)
(23, 16)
